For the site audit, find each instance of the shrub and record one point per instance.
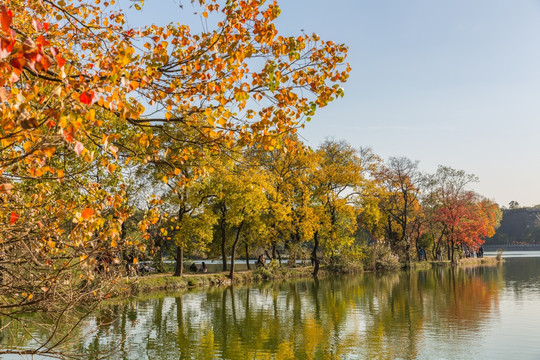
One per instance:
(380, 258)
(341, 263)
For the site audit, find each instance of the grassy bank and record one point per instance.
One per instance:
(464, 262)
(135, 286)
(166, 282)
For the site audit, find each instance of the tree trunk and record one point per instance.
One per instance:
(408, 251)
(316, 261)
(274, 251)
(179, 269)
(233, 250)
(223, 241)
(247, 257)
(158, 257)
(454, 262)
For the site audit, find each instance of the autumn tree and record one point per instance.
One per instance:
(336, 188)
(74, 84)
(371, 217)
(463, 217)
(238, 205)
(289, 169)
(402, 181)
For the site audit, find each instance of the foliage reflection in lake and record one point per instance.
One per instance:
(450, 313)
(365, 316)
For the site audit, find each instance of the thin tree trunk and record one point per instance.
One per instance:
(316, 261)
(179, 269)
(223, 241)
(408, 251)
(233, 250)
(247, 257)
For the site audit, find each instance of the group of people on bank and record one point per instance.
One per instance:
(422, 256)
(194, 268)
(470, 253)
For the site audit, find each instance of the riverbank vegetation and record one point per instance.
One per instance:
(154, 284)
(120, 145)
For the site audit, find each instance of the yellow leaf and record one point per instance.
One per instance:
(113, 243)
(27, 146)
(49, 151)
(111, 168)
(165, 180)
(90, 115)
(176, 171)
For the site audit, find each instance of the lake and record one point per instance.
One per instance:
(441, 313)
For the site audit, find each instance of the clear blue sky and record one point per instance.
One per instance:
(453, 82)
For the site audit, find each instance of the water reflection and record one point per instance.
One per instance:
(439, 313)
(403, 315)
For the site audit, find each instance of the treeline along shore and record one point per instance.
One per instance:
(152, 283)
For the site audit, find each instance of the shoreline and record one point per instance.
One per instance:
(141, 285)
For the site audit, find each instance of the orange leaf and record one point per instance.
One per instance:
(13, 218)
(60, 60)
(87, 213)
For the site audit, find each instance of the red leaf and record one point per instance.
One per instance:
(13, 218)
(5, 18)
(6, 47)
(18, 63)
(86, 97)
